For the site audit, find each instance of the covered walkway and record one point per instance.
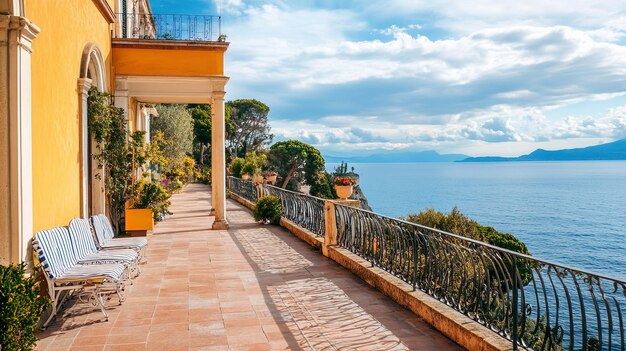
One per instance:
(251, 287)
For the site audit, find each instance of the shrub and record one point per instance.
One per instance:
(20, 309)
(254, 162)
(236, 167)
(203, 175)
(268, 209)
(322, 187)
(189, 167)
(174, 186)
(457, 223)
(249, 168)
(154, 196)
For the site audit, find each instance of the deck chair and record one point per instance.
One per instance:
(105, 236)
(55, 254)
(86, 249)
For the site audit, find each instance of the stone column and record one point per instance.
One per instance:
(218, 159)
(16, 178)
(122, 100)
(330, 233)
(330, 220)
(84, 84)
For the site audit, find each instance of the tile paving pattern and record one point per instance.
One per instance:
(252, 287)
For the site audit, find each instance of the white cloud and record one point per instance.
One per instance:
(332, 78)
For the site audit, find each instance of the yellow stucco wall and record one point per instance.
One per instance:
(167, 62)
(66, 28)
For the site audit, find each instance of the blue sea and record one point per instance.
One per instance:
(572, 213)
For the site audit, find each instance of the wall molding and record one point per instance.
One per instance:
(105, 10)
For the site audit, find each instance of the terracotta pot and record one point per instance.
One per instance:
(271, 179)
(245, 176)
(257, 178)
(343, 191)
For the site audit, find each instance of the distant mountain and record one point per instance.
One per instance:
(399, 157)
(609, 151)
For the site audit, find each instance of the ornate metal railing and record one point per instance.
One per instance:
(169, 27)
(304, 210)
(243, 188)
(534, 303)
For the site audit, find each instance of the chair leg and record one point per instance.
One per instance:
(100, 302)
(54, 298)
(118, 290)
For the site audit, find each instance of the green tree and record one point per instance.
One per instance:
(323, 186)
(293, 159)
(176, 124)
(201, 115)
(248, 128)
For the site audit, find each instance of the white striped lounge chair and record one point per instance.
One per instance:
(84, 246)
(105, 236)
(54, 251)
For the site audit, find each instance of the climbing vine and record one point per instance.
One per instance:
(118, 152)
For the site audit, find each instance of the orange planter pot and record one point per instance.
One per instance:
(139, 219)
(343, 191)
(271, 179)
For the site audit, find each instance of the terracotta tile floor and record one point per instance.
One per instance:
(252, 287)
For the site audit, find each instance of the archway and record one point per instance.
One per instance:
(92, 74)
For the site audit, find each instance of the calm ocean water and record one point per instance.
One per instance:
(568, 212)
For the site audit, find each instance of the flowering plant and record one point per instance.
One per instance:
(344, 181)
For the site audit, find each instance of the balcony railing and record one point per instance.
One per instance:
(243, 188)
(534, 303)
(304, 210)
(169, 27)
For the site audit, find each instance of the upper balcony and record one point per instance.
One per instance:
(197, 28)
(150, 45)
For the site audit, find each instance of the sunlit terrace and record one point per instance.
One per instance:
(251, 287)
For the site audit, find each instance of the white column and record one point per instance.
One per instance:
(121, 94)
(84, 84)
(16, 178)
(218, 159)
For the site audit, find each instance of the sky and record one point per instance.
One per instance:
(480, 77)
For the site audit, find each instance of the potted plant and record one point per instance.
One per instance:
(271, 177)
(257, 177)
(343, 187)
(249, 169)
(151, 202)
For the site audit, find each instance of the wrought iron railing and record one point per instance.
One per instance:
(304, 210)
(169, 27)
(534, 303)
(243, 188)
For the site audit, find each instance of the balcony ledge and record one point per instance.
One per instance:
(169, 44)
